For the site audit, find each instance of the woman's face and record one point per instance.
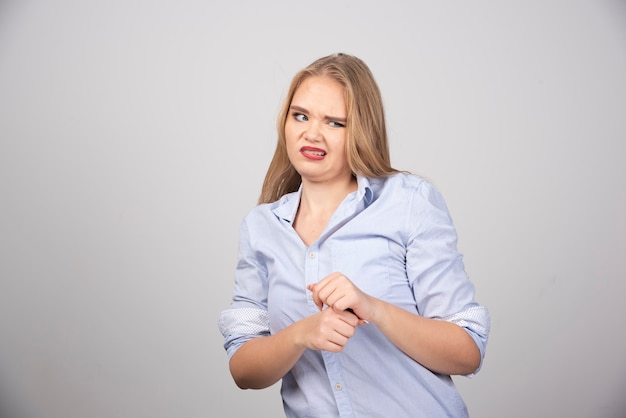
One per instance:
(315, 131)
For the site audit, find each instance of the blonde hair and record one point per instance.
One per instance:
(367, 148)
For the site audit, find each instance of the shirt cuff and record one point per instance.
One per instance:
(477, 322)
(239, 325)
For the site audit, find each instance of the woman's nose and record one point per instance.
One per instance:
(312, 132)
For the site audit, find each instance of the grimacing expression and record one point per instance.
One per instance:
(315, 130)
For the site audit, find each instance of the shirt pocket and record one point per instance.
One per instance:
(365, 262)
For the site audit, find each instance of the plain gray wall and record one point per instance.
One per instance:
(134, 137)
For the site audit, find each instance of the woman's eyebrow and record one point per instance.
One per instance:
(336, 119)
(298, 109)
(303, 110)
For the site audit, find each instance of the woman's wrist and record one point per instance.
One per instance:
(378, 310)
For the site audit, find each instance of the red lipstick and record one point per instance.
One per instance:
(313, 153)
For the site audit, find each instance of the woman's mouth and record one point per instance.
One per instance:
(313, 153)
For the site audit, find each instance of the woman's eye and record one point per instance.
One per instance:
(300, 117)
(337, 124)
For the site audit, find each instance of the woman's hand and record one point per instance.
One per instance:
(261, 362)
(338, 293)
(328, 330)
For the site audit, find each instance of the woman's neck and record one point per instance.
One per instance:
(319, 199)
(318, 202)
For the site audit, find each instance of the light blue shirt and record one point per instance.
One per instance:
(395, 240)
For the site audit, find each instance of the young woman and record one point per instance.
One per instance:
(349, 286)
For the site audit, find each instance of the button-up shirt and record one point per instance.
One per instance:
(395, 240)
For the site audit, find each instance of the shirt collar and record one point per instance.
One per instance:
(287, 206)
(364, 191)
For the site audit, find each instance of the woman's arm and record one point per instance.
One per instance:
(262, 361)
(438, 345)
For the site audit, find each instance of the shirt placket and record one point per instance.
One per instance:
(331, 360)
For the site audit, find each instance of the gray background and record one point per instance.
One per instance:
(134, 136)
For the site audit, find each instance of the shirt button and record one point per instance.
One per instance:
(338, 386)
(311, 255)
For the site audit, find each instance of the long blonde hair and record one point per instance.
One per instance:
(367, 148)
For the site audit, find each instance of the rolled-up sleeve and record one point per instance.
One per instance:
(247, 317)
(239, 325)
(476, 321)
(436, 271)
